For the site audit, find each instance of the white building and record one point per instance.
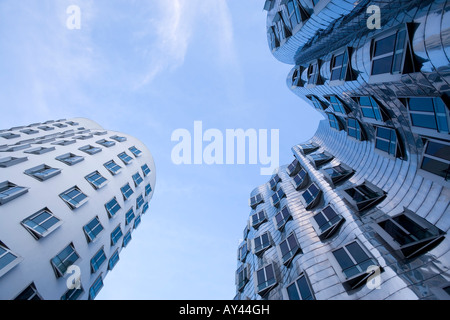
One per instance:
(71, 195)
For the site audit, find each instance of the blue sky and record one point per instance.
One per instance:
(148, 68)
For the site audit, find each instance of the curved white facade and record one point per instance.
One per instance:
(33, 262)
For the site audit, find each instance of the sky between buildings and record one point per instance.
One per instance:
(147, 68)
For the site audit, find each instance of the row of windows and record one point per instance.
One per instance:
(42, 126)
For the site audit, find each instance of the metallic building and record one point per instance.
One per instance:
(362, 212)
(71, 195)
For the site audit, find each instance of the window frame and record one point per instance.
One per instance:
(334, 180)
(295, 165)
(431, 175)
(58, 272)
(63, 158)
(295, 283)
(325, 157)
(116, 234)
(345, 72)
(273, 182)
(369, 203)
(126, 159)
(308, 148)
(10, 264)
(135, 151)
(276, 203)
(96, 287)
(245, 270)
(261, 218)
(304, 182)
(7, 186)
(126, 195)
(315, 199)
(100, 259)
(10, 161)
(79, 203)
(398, 147)
(91, 233)
(91, 150)
(256, 202)
(93, 183)
(333, 225)
(292, 251)
(263, 247)
(108, 210)
(285, 214)
(270, 285)
(243, 255)
(32, 230)
(110, 169)
(360, 134)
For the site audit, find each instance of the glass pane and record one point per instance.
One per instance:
(305, 291)
(382, 145)
(320, 220)
(424, 120)
(343, 259)
(269, 273)
(385, 45)
(421, 104)
(6, 259)
(382, 65)
(293, 292)
(438, 150)
(357, 252)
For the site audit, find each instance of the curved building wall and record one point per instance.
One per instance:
(34, 255)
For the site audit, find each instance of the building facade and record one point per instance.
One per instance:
(362, 212)
(71, 195)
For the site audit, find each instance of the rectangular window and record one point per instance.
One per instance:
(139, 201)
(242, 276)
(339, 66)
(72, 123)
(92, 229)
(274, 181)
(90, 149)
(429, 113)
(126, 191)
(46, 128)
(370, 108)
(10, 191)
(265, 279)
(145, 170)
(255, 200)
(319, 159)
(364, 196)
(317, 103)
(289, 248)
(386, 140)
(301, 179)
(334, 122)
(129, 216)
(337, 105)
(300, 289)
(41, 224)
(308, 148)
(145, 208)
(96, 287)
(311, 196)
(113, 167)
(258, 218)
(9, 135)
(72, 294)
(326, 222)
(112, 207)
(126, 239)
(40, 150)
(96, 180)
(11, 161)
(60, 125)
(8, 259)
(113, 260)
(282, 217)
(64, 142)
(29, 131)
(70, 159)
(74, 197)
(148, 189)
(135, 151)
(436, 158)
(137, 179)
(354, 129)
(262, 243)
(337, 174)
(388, 53)
(42, 172)
(30, 293)
(119, 139)
(97, 260)
(126, 159)
(137, 221)
(64, 260)
(116, 235)
(293, 168)
(106, 143)
(243, 251)
(277, 196)
(314, 74)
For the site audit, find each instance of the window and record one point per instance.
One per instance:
(280, 28)
(318, 104)
(126, 191)
(327, 222)
(46, 128)
(338, 105)
(408, 234)
(145, 208)
(40, 150)
(97, 260)
(364, 196)
(313, 74)
(126, 239)
(113, 167)
(42, 172)
(311, 196)
(255, 200)
(8, 259)
(41, 223)
(242, 276)
(268, 5)
(112, 207)
(125, 158)
(273, 40)
(261, 243)
(258, 219)
(274, 181)
(428, 115)
(70, 159)
(15, 147)
(301, 179)
(296, 13)
(29, 131)
(337, 174)
(106, 143)
(85, 137)
(145, 170)
(139, 201)
(60, 125)
(243, 251)
(64, 142)
(265, 279)
(90, 149)
(148, 189)
(371, 109)
(9, 191)
(44, 139)
(340, 68)
(297, 80)
(96, 287)
(116, 235)
(129, 216)
(354, 129)
(119, 139)
(9, 135)
(386, 141)
(74, 197)
(64, 260)
(354, 262)
(392, 54)
(113, 260)
(137, 179)
(300, 289)
(289, 247)
(96, 180)
(92, 229)
(436, 158)
(137, 221)
(11, 161)
(277, 196)
(72, 123)
(72, 294)
(293, 168)
(308, 148)
(282, 217)
(100, 133)
(135, 151)
(334, 121)
(319, 159)
(30, 293)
